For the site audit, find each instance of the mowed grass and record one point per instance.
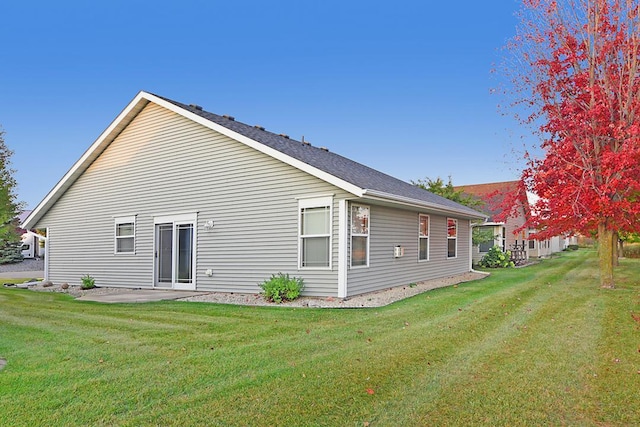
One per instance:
(542, 345)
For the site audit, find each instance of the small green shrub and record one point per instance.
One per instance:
(495, 258)
(88, 282)
(573, 247)
(280, 287)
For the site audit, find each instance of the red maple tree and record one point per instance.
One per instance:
(580, 86)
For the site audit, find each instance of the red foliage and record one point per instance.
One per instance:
(584, 90)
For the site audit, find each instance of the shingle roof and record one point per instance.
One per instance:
(334, 164)
(493, 194)
(354, 177)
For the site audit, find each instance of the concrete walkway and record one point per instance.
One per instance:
(139, 295)
(22, 275)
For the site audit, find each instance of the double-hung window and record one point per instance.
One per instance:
(315, 232)
(423, 233)
(125, 234)
(452, 237)
(359, 236)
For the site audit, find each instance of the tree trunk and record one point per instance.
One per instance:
(615, 255)
(605, 246)
(621, 248)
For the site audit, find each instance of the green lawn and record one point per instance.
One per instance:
(542, 345)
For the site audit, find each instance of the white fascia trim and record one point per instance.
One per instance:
(128, 114)
(374, 194)
(331, 179)
(105, 138)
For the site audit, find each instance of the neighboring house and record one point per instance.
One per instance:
(31, 247)
(547, 247)
(504, 230)
(171, 196)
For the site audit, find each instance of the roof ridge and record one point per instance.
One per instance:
(348, 170)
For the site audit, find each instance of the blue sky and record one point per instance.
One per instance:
(403, 87)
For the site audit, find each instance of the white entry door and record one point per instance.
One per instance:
(175, 252)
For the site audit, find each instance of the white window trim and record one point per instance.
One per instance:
(131, 219)
(351, 235)
(315, 202)
(428, 237)
(452, 238)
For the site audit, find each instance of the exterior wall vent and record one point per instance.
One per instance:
(398, 251)
(229, 117)
(196, 106)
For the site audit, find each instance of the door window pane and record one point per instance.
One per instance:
(165, 252)
(185, 252)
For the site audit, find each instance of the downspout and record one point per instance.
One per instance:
(470, 246)
(46, 255)
(342, 248)
(471, 251)
(46, 250)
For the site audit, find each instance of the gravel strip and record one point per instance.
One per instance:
(372, 299)
(75, 291)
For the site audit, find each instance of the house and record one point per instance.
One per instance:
(172, 196)
(508, 231)
(31, 246)
(547, 247)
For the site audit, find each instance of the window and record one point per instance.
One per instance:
(532, 244)
(452, 237)
(359, 236)
(315, 233)
(125, 232)
(423, 233)
(485, 246)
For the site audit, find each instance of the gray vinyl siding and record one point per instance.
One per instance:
(163, 163)
(390, 227)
